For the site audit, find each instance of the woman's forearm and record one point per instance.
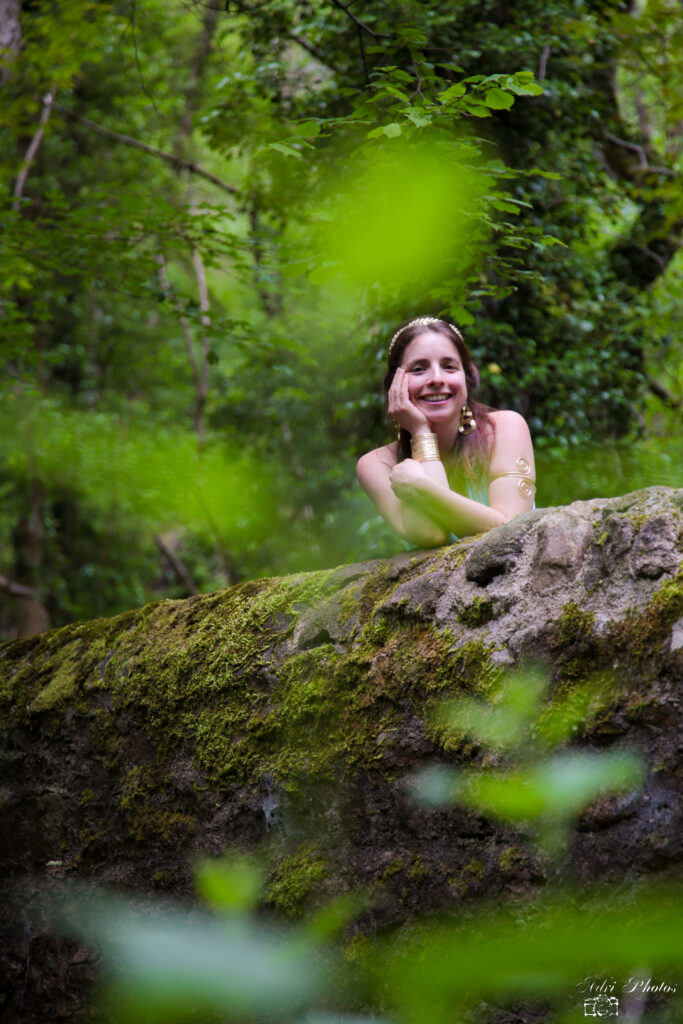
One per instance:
(421, 529)
(419, 523)
(447, 509)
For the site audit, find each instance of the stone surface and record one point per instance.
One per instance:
(287, 716)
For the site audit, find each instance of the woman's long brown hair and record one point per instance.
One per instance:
(471, 451)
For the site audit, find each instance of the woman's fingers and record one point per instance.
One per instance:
(400, 383)
(404, 389)
(400, 405)
(395, 392)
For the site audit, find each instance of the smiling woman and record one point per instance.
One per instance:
(457, 466)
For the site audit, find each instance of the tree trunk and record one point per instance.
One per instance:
(27, 539)
(10, 35)
(198, 352)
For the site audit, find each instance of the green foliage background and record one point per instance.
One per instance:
(192, 335)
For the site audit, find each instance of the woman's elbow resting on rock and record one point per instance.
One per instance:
(505, 517)
(426, 538)
(429, 542)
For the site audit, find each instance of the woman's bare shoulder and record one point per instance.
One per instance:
(508, 419)
(386, 456)
(512, 442)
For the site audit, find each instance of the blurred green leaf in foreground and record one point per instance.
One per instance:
(163, 963)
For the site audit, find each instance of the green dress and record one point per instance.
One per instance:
(478, 491)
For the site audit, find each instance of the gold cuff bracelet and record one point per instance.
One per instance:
(425, 448)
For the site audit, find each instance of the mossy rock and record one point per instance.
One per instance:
(284, 716)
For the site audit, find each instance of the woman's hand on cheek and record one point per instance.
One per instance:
(401, 408)
(406, 478)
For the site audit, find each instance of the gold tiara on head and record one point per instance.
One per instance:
(422, 321)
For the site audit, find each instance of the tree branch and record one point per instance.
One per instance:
(299, 40)
(663, 393)
(654, 256)
(310, 48)
(362, 55)
(178, 162)
(48, 102)
(176, 565)
(17, 589)
(358, 22)
(633, 146)
(418, 79)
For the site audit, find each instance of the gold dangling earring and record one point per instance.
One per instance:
(468, 424)
(398, 429)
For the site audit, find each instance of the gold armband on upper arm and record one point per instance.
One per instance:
(526, 486)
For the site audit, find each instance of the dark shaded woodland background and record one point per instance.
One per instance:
(191, 363)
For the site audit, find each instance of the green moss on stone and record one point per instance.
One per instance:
(360, 950)
(295, 879)
(142, 799)
(639, 519)
(194, 679)
(467, 879)
(87, 797)
(417, 869)
(642, 632)
(376, 589)
(574, 625)
(163, 879)
(511, 858)
(348, 604)
(399, 863)
(477, 613)
(62, 675)
(473, 667)
(90, 840)
(628, 651)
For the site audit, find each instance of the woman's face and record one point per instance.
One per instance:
(435, 375)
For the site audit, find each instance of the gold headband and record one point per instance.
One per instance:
(422, 321)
